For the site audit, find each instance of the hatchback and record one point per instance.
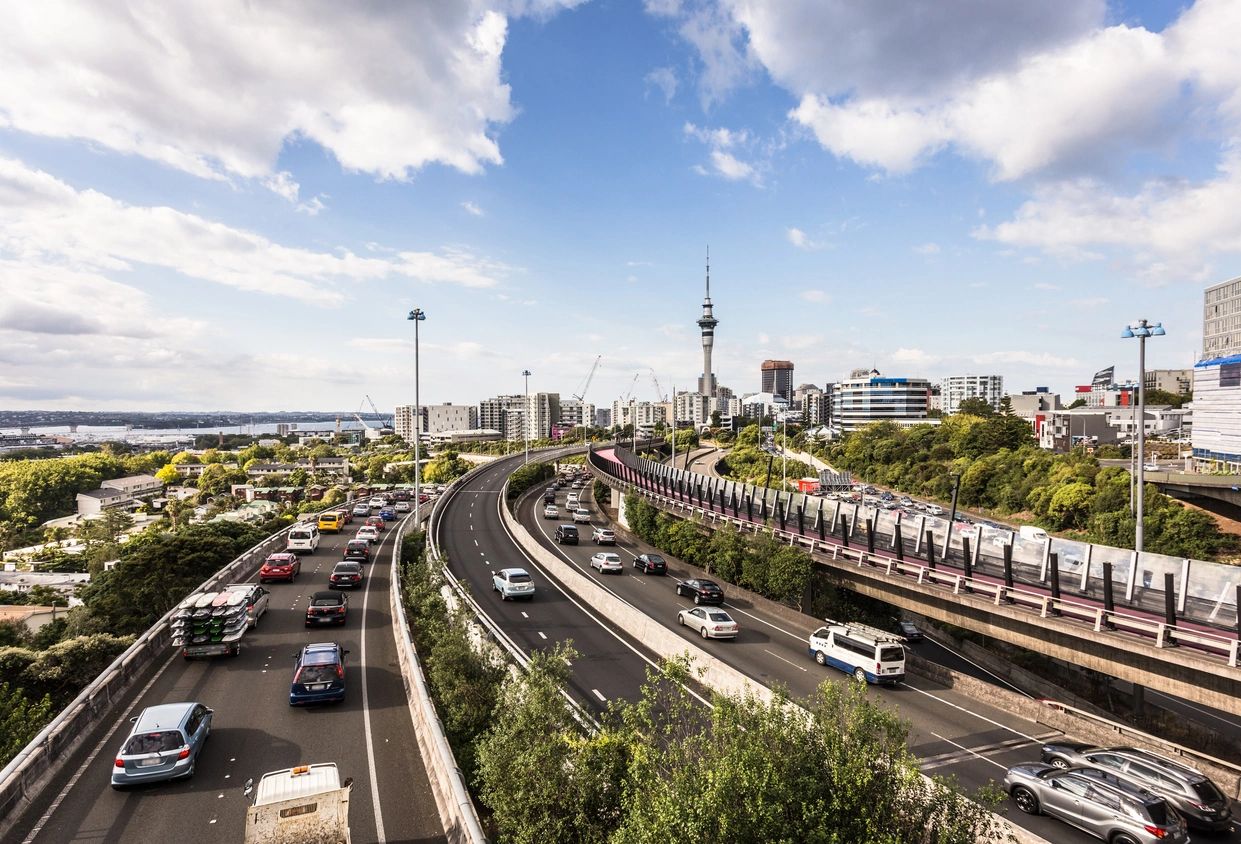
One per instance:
(581, 516)
(361, 509)
(650, 564)
(606, 561)
(163, 744)
(318, 674)
(327, 608)
(368, 533)
(358, 549)
(551, 511)
(603, 536)
(282, 566)
(346, 575)
(401, 507)
(388, 514)
(377, 522)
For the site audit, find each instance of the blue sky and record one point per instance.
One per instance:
(228, 206)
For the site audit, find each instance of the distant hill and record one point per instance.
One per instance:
(167, 419)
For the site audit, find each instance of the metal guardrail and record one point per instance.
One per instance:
(1164, 635)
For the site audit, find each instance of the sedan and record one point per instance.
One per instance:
(281, 566)
(368, 533)
(551, 511)
(163, 744)
(318, 674)
(910, 631)
(607, 561)
(702, 591)
(650, 564)
(361, 509)
(387, 514)
(327, 608)
(346, 575)
(581, 516)
(358, 549)
(377, 522)
(710, 624)
(401, 507)
(603, 536)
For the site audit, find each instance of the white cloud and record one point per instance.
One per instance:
(798, 342)
(722, 143)
(665, 79)
(801, 240)
(216, 89)
(471, 208)
(927, 249)
(730, 167)
(913, 356)
(312, 207)
(1038, 360)
(46, 221)
(1043, 285)
(819, 296)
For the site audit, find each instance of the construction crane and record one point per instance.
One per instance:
(659, 391)
(383, 422)
(632, 384)
(581, 396)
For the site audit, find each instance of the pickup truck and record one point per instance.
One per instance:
(303, 805)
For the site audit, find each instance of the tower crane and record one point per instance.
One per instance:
(660, 395)
(383, 422)
(632, 384)
(581, 395)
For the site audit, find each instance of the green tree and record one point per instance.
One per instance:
(168, 475)
(976, 407)
(67, 667)
(20, 720)
(1076, 403)
(185, 457)
(217, 479)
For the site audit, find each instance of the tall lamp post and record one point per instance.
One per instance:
(417, 315)
(1141, 330)
(525, 417)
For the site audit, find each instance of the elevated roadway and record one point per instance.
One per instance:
(254, 730)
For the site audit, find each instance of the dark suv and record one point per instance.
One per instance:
(359, 550)
(566, 534)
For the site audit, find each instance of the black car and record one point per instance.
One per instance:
(359, 550)
(346, 575)
(549, 497)
(650, 564)
(702, 591)
(327, 608)
(566, 534)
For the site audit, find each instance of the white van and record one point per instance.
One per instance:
(871, 655)
(303, 539)
(1033, 534)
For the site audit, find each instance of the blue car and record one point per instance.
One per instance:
(388, 514)
(319, 674)
(163, 745)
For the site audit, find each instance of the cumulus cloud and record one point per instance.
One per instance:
(914, 356)
(1038, 360)
(723, 143)
(46, 221)
(217, 89)
(665, 80)
(471, 208)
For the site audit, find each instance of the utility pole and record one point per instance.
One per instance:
(417, 315)
(525, 373)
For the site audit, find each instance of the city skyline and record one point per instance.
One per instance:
(888, 204)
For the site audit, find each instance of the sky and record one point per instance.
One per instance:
(235, 205)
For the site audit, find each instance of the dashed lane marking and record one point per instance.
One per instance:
(599, 695)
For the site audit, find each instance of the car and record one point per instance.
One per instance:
(935, 509)
(1150, 467)
(318, 674)
(370, 534)
(163, 744)
(650, 564)
(361, 509)
(551, 511)
(344, 515)
(581, 516)
(571, 500)
(701, 590)
(607, 561)
(1190, 792)
(603, 536)
(512, 583)
(257, 600)
(549, 496)
(327, 607)
(566, 534)
(377, 501)
(909, 630)
(377, 522)
(358, 549)
(280, 566)
(346, 574)
(402, 507)
(710, 624)
(1114, 812)
(906, 501)
(387, 514)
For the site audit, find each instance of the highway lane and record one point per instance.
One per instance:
(255, 730)
(473, 539)
(952, 734)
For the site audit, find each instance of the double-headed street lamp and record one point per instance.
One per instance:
(1141, 330)
(417, 315)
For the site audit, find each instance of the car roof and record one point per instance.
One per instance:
(513, 571)
(327, 593)
(322, 653)
(162, 717)
(362, 543)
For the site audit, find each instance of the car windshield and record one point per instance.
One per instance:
(519, 578)
(1208, 793)
(708, 586)
(358, 546)
(891, 654)
(152, 743)
(328, 601)
(719, 616)
(317, 674)
(348, 568)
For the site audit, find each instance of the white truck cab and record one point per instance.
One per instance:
(303, 805)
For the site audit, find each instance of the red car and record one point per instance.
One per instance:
(376, 522)
(346, 515)
(282, 566)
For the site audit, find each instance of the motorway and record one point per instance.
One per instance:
(254, 730)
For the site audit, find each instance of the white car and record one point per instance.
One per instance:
(551, 511)
(377, 502)
(603, 536)
(607, 561)
(581, 516)
(935, 509)
(402, 506)
(512, 583)
(572, 500)
(711, 623)
(368, 533)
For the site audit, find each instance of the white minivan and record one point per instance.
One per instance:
(303, 539)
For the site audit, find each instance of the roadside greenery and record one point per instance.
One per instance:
(445, 468)
(526, 477)
(748, 463)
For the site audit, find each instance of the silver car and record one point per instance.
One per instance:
(1189, 791)
(1112, 808)
(163, 745)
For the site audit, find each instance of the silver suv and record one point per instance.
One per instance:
(1189, 791)
(1108, 807)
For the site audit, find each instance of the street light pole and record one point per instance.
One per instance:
(417, 315)
(784, 454)
(525, 373)
(1141, 329)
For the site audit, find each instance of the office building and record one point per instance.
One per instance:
(757, 406)
(1035, 407)
(1178, 382)
(575, 412)
(603, 417)
(957, 388)
(777, 378)
(542, 411)
(436, 419)
(815, 405)
(857, 402)
(1221, 320)
(500, 412)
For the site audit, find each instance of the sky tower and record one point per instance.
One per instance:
(707, 322)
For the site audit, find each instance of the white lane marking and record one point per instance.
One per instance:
(971, 752)
(542, 635)
(475, 543)
(86, 765)
(523, 614)
(641, 580)
(599, 695)
(927, 763)
(380, 836)
(482, 553)
(789, 661)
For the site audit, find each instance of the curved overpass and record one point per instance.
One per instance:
(255, 730)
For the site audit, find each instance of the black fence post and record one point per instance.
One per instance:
(780, 511)
(1109, 596)
(732, 501)
(749, 507)
(1169, 600)
(969, 561)
(1054, 559)
(870, 536)
(801, 519)
(844, 529)
(762, 510)
(823, 529)
(899, 541)
(930, 550)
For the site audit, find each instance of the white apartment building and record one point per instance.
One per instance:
(694, 408)
(957, 388)
(857, 402)
(1221, 320)
(1175, 381)
(499, 412)
(758, 405)
(576, 412)
(1216, 436)
(646, 413)
(436, 419)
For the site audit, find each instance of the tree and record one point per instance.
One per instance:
(20, 720)
(218, 478)
(715, 419)
(1076, 403)
(1006, 406)
(185, 457)
(168, 475)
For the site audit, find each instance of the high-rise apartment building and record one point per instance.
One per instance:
(576, 412)
(542, 412)
(957, 388)
(1216, 436)
(1221, 320)
(500, 412)
(857, 402)
(777, 378)
(1176, 381)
